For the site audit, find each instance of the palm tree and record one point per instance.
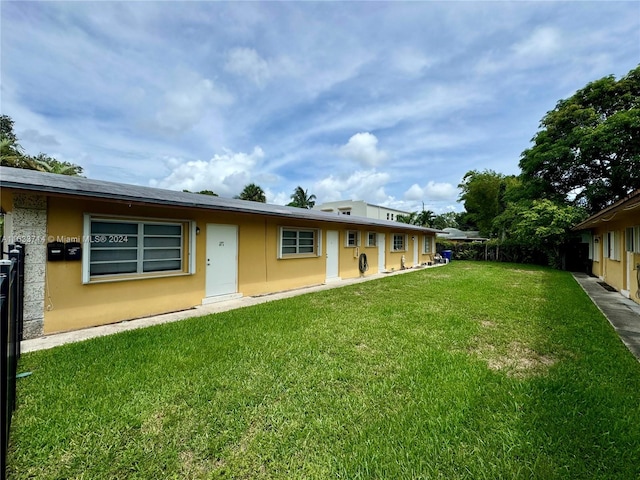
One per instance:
(10, 152)
(301, 199)
(425, 218)
(253, 193)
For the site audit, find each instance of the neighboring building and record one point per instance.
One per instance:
(460, 236)
(101, 252)
(360, 209)
(613, 235)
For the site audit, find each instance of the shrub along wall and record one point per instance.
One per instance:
(572, 256)
(496, 251)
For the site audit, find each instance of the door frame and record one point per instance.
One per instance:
(217, 297)
(332, 255)
(382, 257)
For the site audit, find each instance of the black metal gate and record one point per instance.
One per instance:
(11, 323)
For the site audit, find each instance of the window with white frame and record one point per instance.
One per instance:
(628, 237)
(125, 247)
(298, 242)
(612, 245)
(427, 244)
(399, 242)
(372, 239)
(352, 238)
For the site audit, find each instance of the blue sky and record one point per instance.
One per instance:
(387, 102)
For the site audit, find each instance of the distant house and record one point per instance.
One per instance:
(360, 209)
(613, 236)
(101, 252)
(460, 236)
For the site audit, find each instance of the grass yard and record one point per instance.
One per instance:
(473, 370)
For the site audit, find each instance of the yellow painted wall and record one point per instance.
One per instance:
(6, 199)
(621, 274)
(71, 305)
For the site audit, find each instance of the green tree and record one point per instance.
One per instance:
(424, 218)
(203, 192)
(253, 193)
(587, 151)
(12, 154)
(543, 224)
(410, 218)
(483, 194)
(301, 199)
(6, 128)
(446, 220)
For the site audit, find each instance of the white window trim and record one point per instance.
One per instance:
(406, 242)
(188, 252)
(317, 243)
(357, 238)
(636, 239)
(375, 239)
(428, 240)
(612, 245)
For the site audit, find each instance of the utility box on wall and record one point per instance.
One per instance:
(55, 251)
(72, 251)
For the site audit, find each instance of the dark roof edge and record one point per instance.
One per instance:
(100, 191)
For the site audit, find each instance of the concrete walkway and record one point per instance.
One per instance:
(55, 340)
(623, 314)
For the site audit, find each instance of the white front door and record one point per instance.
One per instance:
(333, 239)
(381, 253)
(222, 260)
(416, 259)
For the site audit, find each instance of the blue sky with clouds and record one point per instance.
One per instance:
(387, 102)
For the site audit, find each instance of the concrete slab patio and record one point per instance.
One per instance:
(623, 314)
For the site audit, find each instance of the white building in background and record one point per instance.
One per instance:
(361, 209)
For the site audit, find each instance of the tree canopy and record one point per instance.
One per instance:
(253, 193)
(587, 151)
(424, 218)
(12, 154)
(484, 197)
(301, 199)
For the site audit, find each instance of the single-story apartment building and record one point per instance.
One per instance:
(613, 235)
(100, 252)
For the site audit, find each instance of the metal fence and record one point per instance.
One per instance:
(11, 323)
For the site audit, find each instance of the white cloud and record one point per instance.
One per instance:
(225, 174)
(543, 42)
(367, 185)
(363, 148)
(188, 101)
(246, 62)
(433, 191)
(411, 61)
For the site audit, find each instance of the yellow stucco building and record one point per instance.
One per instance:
(101, 252)
(613, 235)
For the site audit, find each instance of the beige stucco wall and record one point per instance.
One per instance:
(620, 274)
(68, 304)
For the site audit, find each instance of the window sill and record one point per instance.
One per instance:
(127, 278)
(298, 255)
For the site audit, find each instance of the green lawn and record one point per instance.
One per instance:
(473, 370)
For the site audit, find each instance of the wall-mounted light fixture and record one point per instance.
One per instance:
(197, 230)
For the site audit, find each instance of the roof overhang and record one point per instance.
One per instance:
(612, 212)
(65, 185)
